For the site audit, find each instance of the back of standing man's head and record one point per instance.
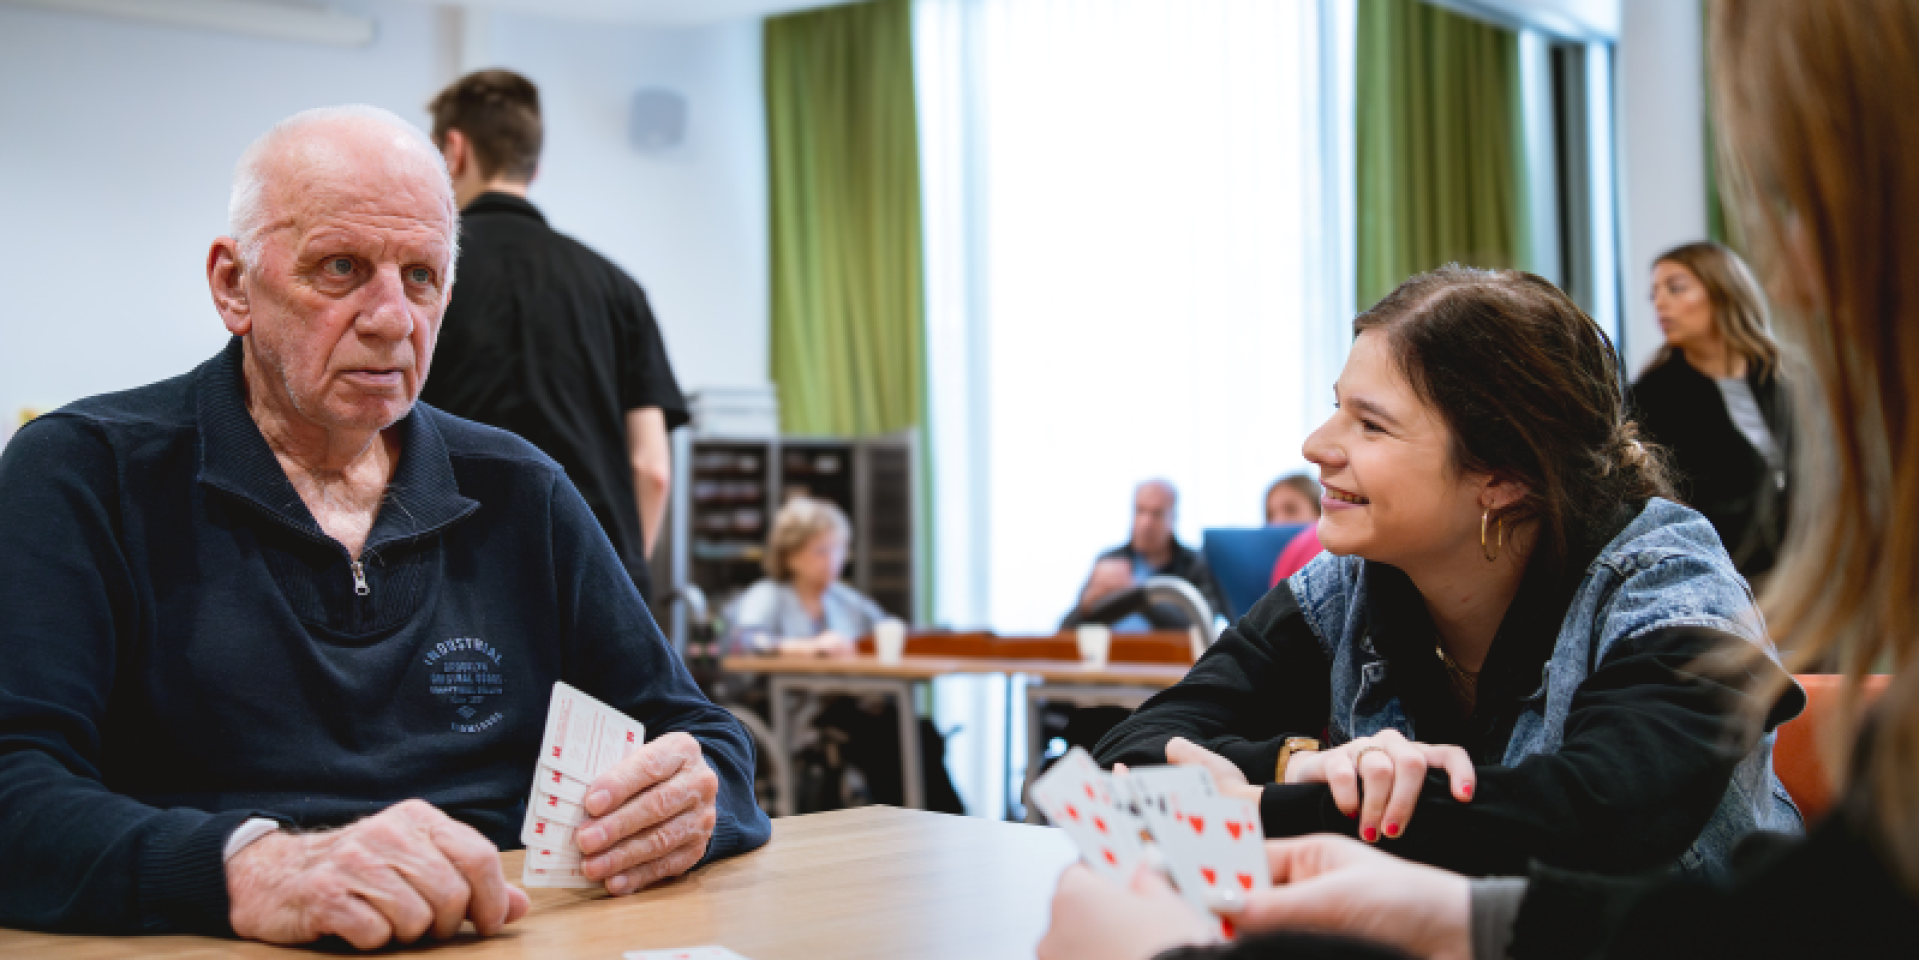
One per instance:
(498, 111)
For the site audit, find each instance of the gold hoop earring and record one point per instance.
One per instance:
(1499, 534)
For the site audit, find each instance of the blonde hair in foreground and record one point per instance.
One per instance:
(1817, 103)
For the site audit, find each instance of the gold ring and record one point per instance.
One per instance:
(1369, 748)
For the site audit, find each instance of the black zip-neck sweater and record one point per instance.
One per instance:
(182, 647)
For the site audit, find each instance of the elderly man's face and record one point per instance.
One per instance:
(1152, 518)
(345, 303)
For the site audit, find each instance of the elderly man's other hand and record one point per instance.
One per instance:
(398, 875)
(653, 815)
(1338, 885)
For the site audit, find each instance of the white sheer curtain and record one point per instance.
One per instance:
(1138, 244)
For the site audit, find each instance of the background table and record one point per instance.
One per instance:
(875, 882)
(1141, 665)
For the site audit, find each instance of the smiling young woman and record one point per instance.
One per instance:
(1515, 637)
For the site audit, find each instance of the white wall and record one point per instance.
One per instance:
(1662, 171)
(119, 137)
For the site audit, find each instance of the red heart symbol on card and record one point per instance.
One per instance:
(1100, 825)
(1199, 824)
(1072, 814)
(556, 751)
(1246, 880)
(1088, 787)
(1110, 857)
(1234, 828)
(1208, 874)
(553, 802)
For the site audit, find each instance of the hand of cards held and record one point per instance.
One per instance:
(584, 738)
(1171, 818)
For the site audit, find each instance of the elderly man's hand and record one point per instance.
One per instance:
(653, 814)
(398, 875)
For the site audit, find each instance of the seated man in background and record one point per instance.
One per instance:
(229, 602)
(1153, 551)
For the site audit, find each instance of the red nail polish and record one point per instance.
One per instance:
(1355, 813)
(1393, 829)
(1369, 834)
(1468, 790)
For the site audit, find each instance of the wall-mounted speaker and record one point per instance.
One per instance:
(658, 121)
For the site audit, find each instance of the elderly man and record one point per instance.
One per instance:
(1152, 551)
(224, 598)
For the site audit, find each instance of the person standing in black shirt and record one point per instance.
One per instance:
(545, 337)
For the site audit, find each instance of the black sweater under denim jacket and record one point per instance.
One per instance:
(1646, 758)
(182, 648)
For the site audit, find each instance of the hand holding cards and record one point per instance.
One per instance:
(584, 738)
(1172, 818)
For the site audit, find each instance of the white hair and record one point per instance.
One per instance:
(246, 204)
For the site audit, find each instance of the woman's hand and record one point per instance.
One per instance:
(1226, 776)
(1379, 778)
(1096, 919)
(1329, 884)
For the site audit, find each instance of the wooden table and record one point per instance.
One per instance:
(1064, 680)
(874, 882)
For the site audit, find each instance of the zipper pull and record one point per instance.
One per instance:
(359, 579)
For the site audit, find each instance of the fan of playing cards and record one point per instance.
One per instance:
(584, 739)
(1171, 817)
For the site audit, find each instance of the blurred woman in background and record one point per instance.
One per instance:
(1715, 398)
(1295, 498)
(802, 607)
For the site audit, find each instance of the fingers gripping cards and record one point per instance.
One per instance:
(1172, 818)
(584, 738)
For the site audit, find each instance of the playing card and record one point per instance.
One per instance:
(584, 737)
(568, 856)
(559, 876)
(684, 953)
(1076, 796)
(1152, 789)
(1212, 846)
(537, 830)
(558, 784)
(550, 807)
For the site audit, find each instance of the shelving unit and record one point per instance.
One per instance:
(727, 489)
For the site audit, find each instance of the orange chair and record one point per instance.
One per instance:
(1797, 759)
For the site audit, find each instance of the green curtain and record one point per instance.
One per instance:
(843, 155)
(1441, 169)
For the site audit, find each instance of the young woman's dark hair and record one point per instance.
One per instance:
(1529, 386)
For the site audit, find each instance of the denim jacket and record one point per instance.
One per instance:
(1665, 569)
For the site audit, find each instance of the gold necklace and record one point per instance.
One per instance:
(1465, 683)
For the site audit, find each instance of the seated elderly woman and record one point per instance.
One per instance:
(802, 607)
(1516, 637)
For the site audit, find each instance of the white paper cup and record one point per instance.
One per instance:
(1094, 640)
(889, 640)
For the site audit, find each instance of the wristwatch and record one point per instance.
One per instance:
(1288, 748)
